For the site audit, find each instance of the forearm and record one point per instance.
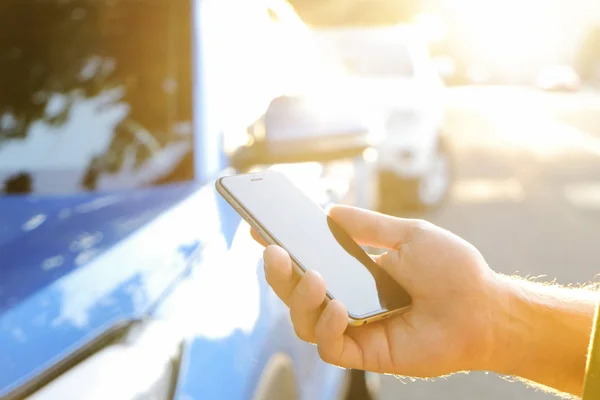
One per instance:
(544, 332)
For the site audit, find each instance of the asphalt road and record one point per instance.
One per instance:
(527, 194)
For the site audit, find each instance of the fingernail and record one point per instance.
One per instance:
(302, 287)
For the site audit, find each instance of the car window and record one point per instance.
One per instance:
(369, 51)
(246, 72)
(94, 94)
(377, 59)
(240, 69)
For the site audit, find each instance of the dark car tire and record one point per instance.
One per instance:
(358, 388)
(278, 380)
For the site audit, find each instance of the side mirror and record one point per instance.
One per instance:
(299, 130)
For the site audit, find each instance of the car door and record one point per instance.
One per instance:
(87, 90)
(148, 288)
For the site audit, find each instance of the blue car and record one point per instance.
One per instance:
(123, 275)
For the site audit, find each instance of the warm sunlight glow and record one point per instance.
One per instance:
(584, 195)
(518, 38)
(488, 191)
(507, 30)
(432, 26)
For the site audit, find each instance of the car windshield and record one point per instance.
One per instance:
(94, 94)
(364, 55)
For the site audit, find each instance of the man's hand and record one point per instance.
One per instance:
(464, 316)
(451, 325)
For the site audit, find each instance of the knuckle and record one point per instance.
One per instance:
(270, 278)
(392, 257)
(303, 333)
(305, 337)
(324, 355)
(420, 227)
(328, 356)
(303, 289)
(385, 258)
(298, 299)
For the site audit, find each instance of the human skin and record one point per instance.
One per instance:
(464, 315)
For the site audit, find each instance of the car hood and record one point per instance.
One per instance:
(75, 266)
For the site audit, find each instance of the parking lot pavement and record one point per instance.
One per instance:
(527, 194)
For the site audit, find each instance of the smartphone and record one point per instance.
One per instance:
(285, 216)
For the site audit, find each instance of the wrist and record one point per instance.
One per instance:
(542, 332)
(503, 328)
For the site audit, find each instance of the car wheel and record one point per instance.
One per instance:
(363, 385)
(397, 194)
(278, 380)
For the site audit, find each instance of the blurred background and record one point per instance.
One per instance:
(522, 111)
(481, 116)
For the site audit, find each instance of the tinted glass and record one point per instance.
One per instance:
(371, 52)
(378, 59)
(94, 94)
(317, 243)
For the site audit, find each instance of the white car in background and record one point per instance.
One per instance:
(393, 78)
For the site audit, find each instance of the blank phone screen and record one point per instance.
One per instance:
(316, 242)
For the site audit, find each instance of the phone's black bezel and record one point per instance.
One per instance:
(247, 216)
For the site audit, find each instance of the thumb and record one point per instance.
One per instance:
(370, 228)
(393, 263)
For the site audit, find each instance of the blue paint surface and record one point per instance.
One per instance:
(46, 308)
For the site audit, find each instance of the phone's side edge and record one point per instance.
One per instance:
(222, 190)
(247, 216)
(378, 317)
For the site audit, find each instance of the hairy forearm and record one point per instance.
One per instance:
(543, 333)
